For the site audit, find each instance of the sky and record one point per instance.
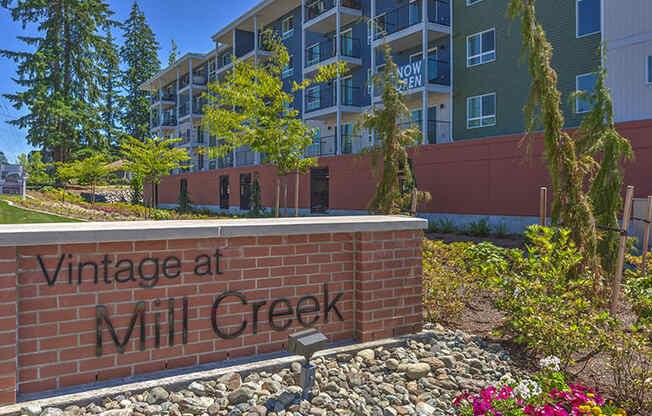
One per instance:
(191, 23)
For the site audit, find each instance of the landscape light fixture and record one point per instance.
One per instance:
(307, 343)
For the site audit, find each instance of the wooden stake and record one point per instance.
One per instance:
(296, 196)
(621, 251)
(646, 235)
(543, 204)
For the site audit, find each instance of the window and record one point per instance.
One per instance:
(588, 17)
(481, 111)
(585, 83)
(481, 48)
(314, 54)
(472, 2)
(288, 71)
(312, 98)
(287, 27)
(649, 69)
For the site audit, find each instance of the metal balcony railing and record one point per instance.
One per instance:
(322, 146)
(184, 110)
(411, 14)
(351, 144)
(225, 162)
(168, 122)
(318, 7)
(319, 52)
(245, 157)
(184, 81)
(325, 98)
(437, 130)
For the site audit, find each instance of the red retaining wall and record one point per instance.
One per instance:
(242, 302)
(488, 176)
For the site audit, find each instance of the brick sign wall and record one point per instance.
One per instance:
(82, 312)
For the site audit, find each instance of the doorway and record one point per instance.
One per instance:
(319, 195)
(224, 192)
(245, 191)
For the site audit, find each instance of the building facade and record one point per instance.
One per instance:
(465, 78)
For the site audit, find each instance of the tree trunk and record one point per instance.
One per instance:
(93, 194)
(296, 196)
(278, 196)
(285, 197)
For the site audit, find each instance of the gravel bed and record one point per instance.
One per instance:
(421, 377)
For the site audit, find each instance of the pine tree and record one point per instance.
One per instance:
(174, 53)
(139, 54)
(58, 73)
(110, 66)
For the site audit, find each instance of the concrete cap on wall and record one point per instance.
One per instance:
(91, 232)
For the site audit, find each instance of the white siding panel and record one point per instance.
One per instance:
(625, 18)
(632, 95)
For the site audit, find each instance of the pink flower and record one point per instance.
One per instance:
(505, 393)
(461, 397)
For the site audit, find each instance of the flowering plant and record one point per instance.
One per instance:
(546, 394)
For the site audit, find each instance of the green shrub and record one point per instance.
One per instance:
(630, 370)
(547, 303)
(446, 284)
(638, 288)
(442, 225)
(480, 228)
(501, 230)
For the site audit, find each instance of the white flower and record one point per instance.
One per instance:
(517, 291)
(550, 363)
(527, 388)
(507, 380)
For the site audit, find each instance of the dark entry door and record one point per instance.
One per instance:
(245, 191)
(224, 192)
(319, 190)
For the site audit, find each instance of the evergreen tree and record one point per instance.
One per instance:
(396, 187)
(110, 65)
(139, 54)
(174, 53)
(3, 158)
(58, 73)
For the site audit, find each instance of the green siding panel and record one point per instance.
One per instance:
(507, 76)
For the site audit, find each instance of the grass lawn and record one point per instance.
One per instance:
(15, 215)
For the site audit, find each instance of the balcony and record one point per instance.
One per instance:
(325, 53)
(406, 21)
(169, 122)
(412, 74)
(245, 157)
(438, 131)
(320, 15)
(225, 162)
(319, 100)
(163, 99)
(322, 146)
(352, 144)
(198, 81)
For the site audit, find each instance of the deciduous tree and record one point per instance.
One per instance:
(151, 159)
(251, 109)
(93, 171)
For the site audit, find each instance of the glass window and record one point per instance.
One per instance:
(481, 111)
(287, 27)
(585, 83)
(649, 69)
(470, 2)
(588, 17)
(312, 97)
(481, 48)
(288, 71)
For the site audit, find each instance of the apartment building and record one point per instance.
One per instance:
(465, 79)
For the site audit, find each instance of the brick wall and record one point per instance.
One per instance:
(56, 343)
